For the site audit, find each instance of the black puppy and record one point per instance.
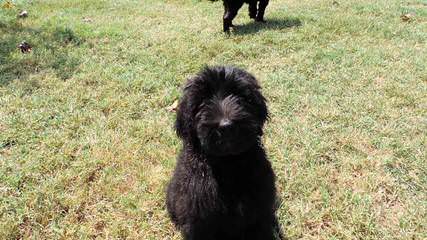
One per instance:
(223, 185)
(231, 7)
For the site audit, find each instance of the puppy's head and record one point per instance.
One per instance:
(222, 111)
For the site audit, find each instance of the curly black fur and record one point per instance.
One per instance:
(231, 7)
(223, 185)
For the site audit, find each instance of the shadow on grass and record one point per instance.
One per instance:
(274, 24)
(51, 49)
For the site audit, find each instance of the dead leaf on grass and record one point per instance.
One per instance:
(408, 17)
(8, 5)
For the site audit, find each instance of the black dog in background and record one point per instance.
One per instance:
(231, 7)
(223, 185)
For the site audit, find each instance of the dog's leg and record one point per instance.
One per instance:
(226, 23)
(230, 12)
(228, 19)
(253, 9)
(261, 10)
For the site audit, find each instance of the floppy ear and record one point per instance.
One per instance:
(253, 91)
(187, 109)
(183, 120)
(260, 108)
(261, 105)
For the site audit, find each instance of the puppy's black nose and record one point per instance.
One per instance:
(225, 122)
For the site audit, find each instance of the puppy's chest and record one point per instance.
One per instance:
(240, 213)
(238, 202)
(240, 209)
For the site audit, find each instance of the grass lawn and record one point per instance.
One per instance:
(87, 144)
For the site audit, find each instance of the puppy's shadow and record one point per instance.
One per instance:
(271, 23)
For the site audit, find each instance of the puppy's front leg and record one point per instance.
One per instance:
(261, 10)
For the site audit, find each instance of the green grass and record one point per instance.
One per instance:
(87, 145)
